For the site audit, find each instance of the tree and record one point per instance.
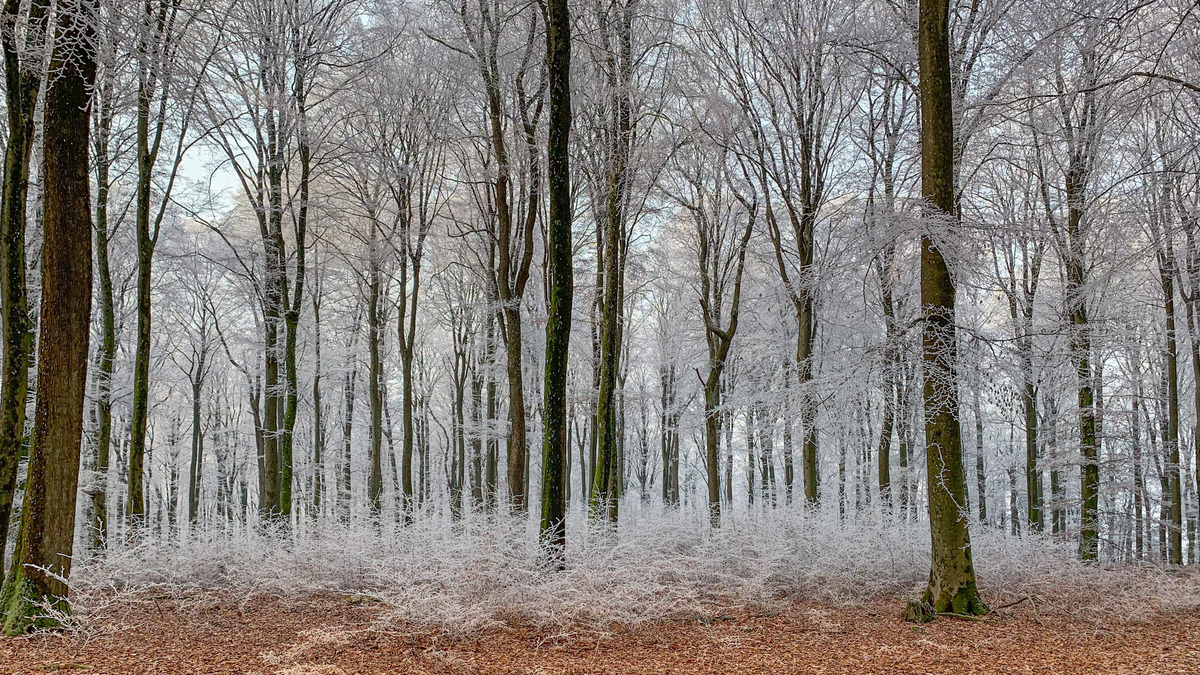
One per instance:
(42, 560)
(722, 215)
(952, 574)
(159, 34)
(553, 530)
(23, 78)
(512, 194)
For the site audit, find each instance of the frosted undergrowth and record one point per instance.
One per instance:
(483, 573)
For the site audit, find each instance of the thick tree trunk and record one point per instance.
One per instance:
(952, 574)
(42, 560)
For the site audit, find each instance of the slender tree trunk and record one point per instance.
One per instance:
(374, 387)
(1174, 495)
(318, 441)
(553, 529)
(345, 494)
(22, 83)
(751, 459)
(980, 472)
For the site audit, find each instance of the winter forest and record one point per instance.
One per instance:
(563, 313)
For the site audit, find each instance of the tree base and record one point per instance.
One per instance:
(25, 609)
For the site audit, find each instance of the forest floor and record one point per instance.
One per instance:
(333, 634)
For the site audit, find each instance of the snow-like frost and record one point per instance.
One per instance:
(486, 572)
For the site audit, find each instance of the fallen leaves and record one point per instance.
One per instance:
(327, 635)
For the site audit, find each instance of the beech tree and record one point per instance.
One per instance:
(952, 574)
(42, 560)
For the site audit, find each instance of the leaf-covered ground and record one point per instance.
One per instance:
(345, 634)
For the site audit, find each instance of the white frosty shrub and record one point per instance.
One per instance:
(483, 572)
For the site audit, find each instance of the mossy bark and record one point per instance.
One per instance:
(952, 575)
(42, 561)
(22, 84)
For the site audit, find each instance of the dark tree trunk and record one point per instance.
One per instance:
(553, 529)
(42, 560)
(22, 83)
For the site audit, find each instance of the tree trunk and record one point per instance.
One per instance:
(107, 351)
(374, 381)
(553, 529)
(42, 560)
(952, 574)
(22, 83)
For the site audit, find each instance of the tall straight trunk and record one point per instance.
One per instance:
(952, 575)
(477, 433)
(1135, 432)
(886, 428)
(154, 48)
(727, 428)
(22, 83)
(374, 384)
(406, 470)
(712, 435)
(406, 336)
(107, 351)
(492, 465)
(345, 495)
(1033, 476)
(751, 459)
(667, 434)
(553, 528)
(1058, 515)
(606, 490)
(516, 448)
(980, 473)
(903, 430)
(788, 471)
(318, 441)
(42, 560)
(196, 470)
(808, 406)
(292, 305)
(1192, 223)
(1173, 496)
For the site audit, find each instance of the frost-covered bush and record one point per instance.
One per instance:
(487, 571)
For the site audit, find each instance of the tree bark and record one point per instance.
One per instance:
(952, 575)
(22, 83)
(42, 560)
(553, 528)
